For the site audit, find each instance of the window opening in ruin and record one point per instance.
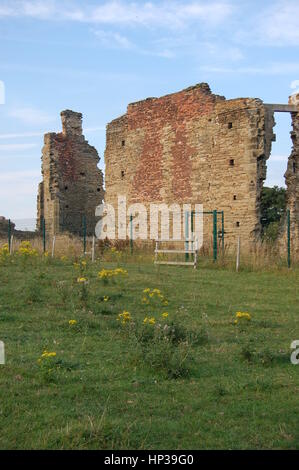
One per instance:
(98, 190)
(235, 197)
(122, 173)
(273, 196)
(82, 173)
(280, 152)
(230, 125)
(238, 224)
(123, 143)
(66, 188)
(232, 162)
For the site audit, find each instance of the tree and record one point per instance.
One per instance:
(273, 206)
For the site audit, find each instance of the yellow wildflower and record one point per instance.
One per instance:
(165, 315)
(48, 354)
(82, 280)
(124, 317)
(244, 315)
(72, 322)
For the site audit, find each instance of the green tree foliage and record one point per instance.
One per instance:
(273, 206)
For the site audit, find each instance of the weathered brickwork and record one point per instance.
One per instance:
(72, 183)
(193, 147)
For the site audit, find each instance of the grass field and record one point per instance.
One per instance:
(192, 379)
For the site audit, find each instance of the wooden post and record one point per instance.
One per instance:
(195, 254)
(9, 234)
(156, 252)
(238, 255)
(93, 249)
(84, 235)
(11, 246)
(53, 245)
(2, 353)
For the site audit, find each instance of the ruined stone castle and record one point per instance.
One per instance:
(72, 183)
(187, 147)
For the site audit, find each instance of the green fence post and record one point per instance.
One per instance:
(289, 236)
(84, 234)
(222, 228)
(186, 235)
(131, 234)
(44, 234)
(215, 235)
(9, 235)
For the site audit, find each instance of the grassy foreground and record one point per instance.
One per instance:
(192, 379)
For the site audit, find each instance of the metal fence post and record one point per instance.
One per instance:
(289, 236)
(215, 235)
(186, 235)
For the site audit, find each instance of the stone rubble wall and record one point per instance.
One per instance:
(193, 147)
(292, 183)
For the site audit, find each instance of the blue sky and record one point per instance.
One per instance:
(97, 56)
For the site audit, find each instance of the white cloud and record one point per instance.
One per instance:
(17, 176)
(38, 8)
(112, 39)
(31, 116)
(279, 24)
(22, 135)
(279, 68)
(14, 147)
(167, 13)
(18, 190)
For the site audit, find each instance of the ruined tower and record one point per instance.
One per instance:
(72, 183)
(194, 147)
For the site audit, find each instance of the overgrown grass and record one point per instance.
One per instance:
(203, 382)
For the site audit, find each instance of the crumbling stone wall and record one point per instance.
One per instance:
(72, 183)
(292, 179)
(193, 147)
